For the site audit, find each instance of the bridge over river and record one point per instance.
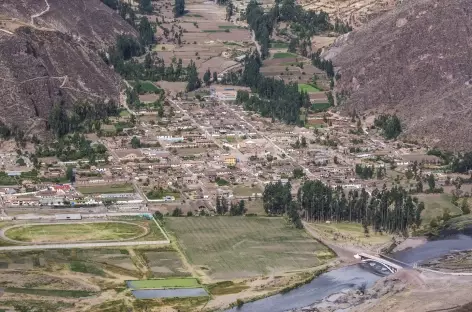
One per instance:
(390, 264)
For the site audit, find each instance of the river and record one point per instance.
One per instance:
(346, 278)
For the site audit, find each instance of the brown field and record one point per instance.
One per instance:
(172, 86)
(217, 64)
(318, 42)
(148, 98)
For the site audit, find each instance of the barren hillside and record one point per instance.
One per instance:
(48, 53)
(415, 60)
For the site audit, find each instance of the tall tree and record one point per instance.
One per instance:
(179, 8)
(207, 77)
(145, 6)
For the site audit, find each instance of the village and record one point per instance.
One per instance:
(205, 148)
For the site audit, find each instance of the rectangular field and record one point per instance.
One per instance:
(280, 55)
(320, 107)
(106, 189)
(307, 88)
(238, 247)
(164, 283)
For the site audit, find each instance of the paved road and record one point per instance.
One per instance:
(82, 245)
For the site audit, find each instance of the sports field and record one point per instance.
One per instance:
(75, 232)
(106, 189)
(237, 247)
(307, 88)
(164, 283)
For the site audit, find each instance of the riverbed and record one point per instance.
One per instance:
(351, 277)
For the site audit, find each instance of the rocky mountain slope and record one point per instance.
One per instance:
(49, 53)
(416, 61)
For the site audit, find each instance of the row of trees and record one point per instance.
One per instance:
(392, 211)
(222, 207)
(322, 64)
(367, 172)
(179, 8)
(277, 200)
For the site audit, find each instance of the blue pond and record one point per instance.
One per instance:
(169, 293)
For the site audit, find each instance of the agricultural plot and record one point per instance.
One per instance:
(238, 247)
(278, 45)
(307, 88)
(164, 263)
(435, 205)
(106, 189)
(352, 232)
(75, 232)
(145, 87)
(320, 107)
(164, 283)
(241, 190)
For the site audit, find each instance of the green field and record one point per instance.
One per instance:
(238, 247)
(307, 88)
(320, 107)
(164, 283)
(124, 113)
(106, 189)
(146, 87)
(280, 55)
(435, 205)
(278, 45)
(75, 232)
